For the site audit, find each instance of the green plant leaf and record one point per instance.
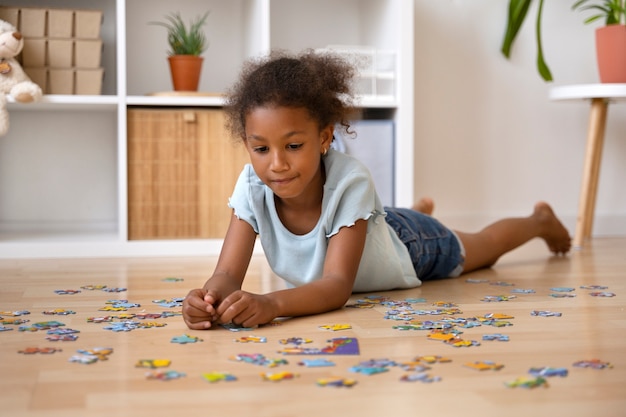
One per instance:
(542, 67)
(518, 10)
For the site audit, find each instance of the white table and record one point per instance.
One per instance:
(600, 95)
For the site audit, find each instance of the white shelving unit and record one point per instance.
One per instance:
(63, 179)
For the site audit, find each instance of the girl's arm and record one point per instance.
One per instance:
(199, 307)
(328, 293)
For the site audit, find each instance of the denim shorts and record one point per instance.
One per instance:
(435, 250)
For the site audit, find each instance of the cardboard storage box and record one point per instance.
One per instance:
(32, 22)
(88, 81)
(87, 24)
(72, 81)
(87, 53)
(35, 52)
(60, 23)
(39, 76)
(60, 81)
(62, 53)
(36, 22)
(10, 14)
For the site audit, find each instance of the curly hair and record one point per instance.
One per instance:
(319, 82)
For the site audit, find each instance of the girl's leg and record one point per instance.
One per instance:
(483, 249)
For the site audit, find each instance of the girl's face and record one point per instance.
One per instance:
(285, 145)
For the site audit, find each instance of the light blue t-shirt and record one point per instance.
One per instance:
(349, 195)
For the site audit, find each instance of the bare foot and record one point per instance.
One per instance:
(426, 205)
(553, 232)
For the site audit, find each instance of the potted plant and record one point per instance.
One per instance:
(610, 38)
(187, 43)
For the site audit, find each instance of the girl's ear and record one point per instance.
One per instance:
(326, 136)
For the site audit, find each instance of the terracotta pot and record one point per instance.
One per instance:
(611, 53)
(185, 70)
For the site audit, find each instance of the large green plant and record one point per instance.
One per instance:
(518, 9)
(183, 39)
(613, 12)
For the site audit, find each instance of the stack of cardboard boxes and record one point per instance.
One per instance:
(62, 48)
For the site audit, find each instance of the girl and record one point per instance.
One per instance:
(319, 219)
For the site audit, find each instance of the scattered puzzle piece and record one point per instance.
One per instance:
(67, 292)
(259, 359)
(218, 376)
(185, 339)
(162, 375)
(316, 363)
(484, 365)
(58, 312)
(525, 382)
(421, 377)
(153, 363)
(336, 327)
(278, 376)
(334, 381)
(496, 336)
(547, 371)
(602, 294)
(593, 363)
(337, 346)
(33, 350)
(545, 313)
(251, 339)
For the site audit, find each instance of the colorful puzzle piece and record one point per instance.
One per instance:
(218, 376)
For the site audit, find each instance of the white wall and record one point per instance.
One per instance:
(489, 142)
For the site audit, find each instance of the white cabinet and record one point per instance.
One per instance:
(63, 164)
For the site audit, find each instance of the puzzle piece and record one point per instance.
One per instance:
(545, 313)
(162, 375)
(259, 359)
(336, 327)
(336, 382)
(316, 363)
(14, 313)
(496, 336)
(67, 292)
(278, 376)
(525, 382)
(33, 350)
(337, 346)
(593, 363)
(218, 376)
(185, 339)
(59, 312)
(547, 371)
(174, 302)
(294, 341)
(420, 376)
(251, 339)
(602, 294)
(484, 365)
(62, 337)
(153, 363)
(237, 328)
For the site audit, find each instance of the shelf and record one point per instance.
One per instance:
(64, 158)
(176, 100)
(67, 102)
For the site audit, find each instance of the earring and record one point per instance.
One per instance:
(324, 152)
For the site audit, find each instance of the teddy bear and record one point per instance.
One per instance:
(13, 80)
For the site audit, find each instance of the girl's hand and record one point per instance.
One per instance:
(246, 309)
(199, 309)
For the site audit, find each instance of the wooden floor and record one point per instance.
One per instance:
(590, 328)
